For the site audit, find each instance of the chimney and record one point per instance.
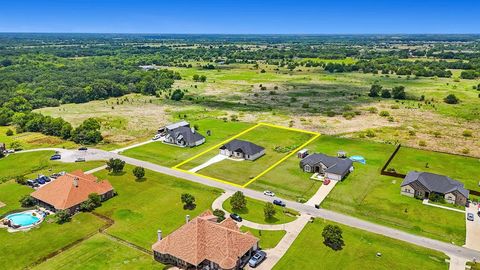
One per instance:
(159, 235)
(75, 181)
(187, 218)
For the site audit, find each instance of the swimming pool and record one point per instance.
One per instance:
(24, 219)
(358, 159)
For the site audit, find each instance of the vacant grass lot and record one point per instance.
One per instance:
(254, 212)
(32, 163)
(359, 252)
(143, 207)
(29, 140)
(169, 155)
(10, 194)
(366, 194)
(99, 252)
(463, 169)
(268, 239)
(19, 250)
(240, 172)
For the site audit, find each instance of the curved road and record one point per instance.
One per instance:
(449, 249)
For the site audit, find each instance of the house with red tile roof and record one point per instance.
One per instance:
(202, 243)
(68, 191)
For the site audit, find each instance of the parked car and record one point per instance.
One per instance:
(326, 181)
(83, 148)
(156, 137)
(80, 159)
(467, 204)
(279, 203)
(30, 182)
(40, 181)
(470, 217)
(257, 258)
(10, 151)
(236, 217)
(56, 157)
(269, 193)
(45, 178)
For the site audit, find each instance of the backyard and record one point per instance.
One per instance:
(359, 252)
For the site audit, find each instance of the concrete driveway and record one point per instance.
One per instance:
(321, 194)
(209, 162)
(472, 240)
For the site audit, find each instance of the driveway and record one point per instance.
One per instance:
(473, 229)
(321, 194)
(209, 162)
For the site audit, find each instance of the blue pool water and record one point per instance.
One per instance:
(358, 159)
(23, 219)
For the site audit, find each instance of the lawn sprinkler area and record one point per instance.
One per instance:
(279, 144)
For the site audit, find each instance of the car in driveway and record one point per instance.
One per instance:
(236, 217)
(470, 217)
(257, 258)
(326, 181)
(279, 203)
(156, 137)
(269, 193)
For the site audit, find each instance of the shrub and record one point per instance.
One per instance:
(465, 151)
(20, 179)
(188, 201)
(467, 133)
(398, 92)
(94, 201)
(305, 105)
(9, 132)
(348, 115)
(395, 107)
(370, 133)
(386, 93)
(331, 113)
(372, 110)
(384, 113)
(63, 216)
(451, 99)
(390, 119)
(422, 143)
(332, 237)
(27, 201)
(437, 134)
(220, 214)
(435, 197)
(138, 172)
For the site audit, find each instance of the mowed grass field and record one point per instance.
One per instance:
(241, 172)
(461, 168)
(29, 140)
(359, 252)
(143, 207)
(169, 155)
(32, 163)
(19, 250)
(100, 252)
(254, 212)
(365, 193)
(268, 239)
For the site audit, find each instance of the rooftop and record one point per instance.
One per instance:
(435, 182)
(245, 147)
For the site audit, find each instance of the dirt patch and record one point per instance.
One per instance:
(2, 204)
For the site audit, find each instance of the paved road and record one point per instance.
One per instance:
(449, 249)
(473, 228)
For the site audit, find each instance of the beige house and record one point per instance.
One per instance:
(422, 184)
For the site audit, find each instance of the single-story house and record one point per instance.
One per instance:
(68, 191)
(422, 184)
(242, 150)
(202, 243)
(184, 136)
(333, 168)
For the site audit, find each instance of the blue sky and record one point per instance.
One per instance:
(241, 17)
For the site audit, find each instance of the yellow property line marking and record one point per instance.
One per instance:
(282, 160)
(215, 146)
(316, 135)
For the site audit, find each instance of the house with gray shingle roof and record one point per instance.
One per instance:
(182, 134)
(422, 184)
(242, 150)
(333, 168)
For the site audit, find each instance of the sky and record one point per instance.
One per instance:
(241, 17)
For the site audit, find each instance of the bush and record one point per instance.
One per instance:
(384, 113)
(348, 115)
(332, 237)
(138, 172)
(220, 214)
(467, 133)
(372, 110)
(63, 216)
(422, 143)
(20, 179)
(9, 132)
(386, 93)
(94, 201)
(370, 133)
(27, 201)
(451, 99)
(437, 134)
(188, 201)
(435, 197)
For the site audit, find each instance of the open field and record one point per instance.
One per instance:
(365, 193)
(254, 212)
(32, 163)
(359, 252)
(21, 249)
(29, 140)
(268, 239)
(100, 252)
(143, 207)
(463, 169)
(170, 155)
(10, 194)
(277, 142)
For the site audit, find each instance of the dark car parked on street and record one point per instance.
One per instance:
(236, 217)
(56, 157)
(279, 203)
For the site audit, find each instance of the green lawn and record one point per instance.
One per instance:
(19, 250)
(254, 212)
(240, 172)
(365, 193)
(359, 252)
(464, 169)
(31, 163)
(10, 194)
(268, 239)
(29, 140)
(143, 207)
(99, 252)
(169, 155)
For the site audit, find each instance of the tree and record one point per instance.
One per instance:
(5, 116)
(188, 201)
(386, 93)
(9, 132)
(177, 95)
(269, 210)
(63, 216)
(398, 92)
(332, 237)
(139, 172)
(87, 133)
(375, 90)
(27, 201)
(94, 200)
(451, 99)
(238, 201)
(220, 214)
(115, 165)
